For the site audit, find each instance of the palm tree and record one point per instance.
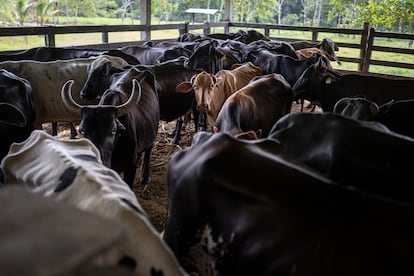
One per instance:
(42, 8)
(6, 11)
(22, 10)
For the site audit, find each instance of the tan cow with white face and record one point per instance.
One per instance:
(211, 91)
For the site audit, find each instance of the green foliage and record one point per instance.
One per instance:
(385, 15)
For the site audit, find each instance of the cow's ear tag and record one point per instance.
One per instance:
(328, 80)
(223, 58)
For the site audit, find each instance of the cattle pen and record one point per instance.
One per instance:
(366, 41)
(231, 204)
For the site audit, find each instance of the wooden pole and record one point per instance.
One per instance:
(145, 6)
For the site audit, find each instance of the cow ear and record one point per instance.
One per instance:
(184, 87)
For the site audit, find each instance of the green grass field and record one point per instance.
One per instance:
(26, 42)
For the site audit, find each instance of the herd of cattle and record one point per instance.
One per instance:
(261, 190)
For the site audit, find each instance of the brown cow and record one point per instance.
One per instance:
(211, 91)
(255, 108)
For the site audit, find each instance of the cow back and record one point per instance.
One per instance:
(47, 79)
(269, 214)
(336, 146)
(228, 82)
(72, 172)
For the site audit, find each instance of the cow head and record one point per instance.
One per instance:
(329, 47)
(309, 84)
(203, 85)
(98, 81)
(17, 110)
(99, 123)
(356, 108)
(206, 56)
(16, 102)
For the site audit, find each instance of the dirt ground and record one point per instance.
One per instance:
(153, 197)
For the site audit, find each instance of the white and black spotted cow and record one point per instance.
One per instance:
(71, 171)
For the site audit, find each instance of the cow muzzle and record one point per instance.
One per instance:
(203, 108)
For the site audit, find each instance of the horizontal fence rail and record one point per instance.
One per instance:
(366, 45)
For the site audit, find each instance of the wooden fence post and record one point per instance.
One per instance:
(362, 66)
(185, 29)
(145, 9)
(267, 32)
(227, 27)
(50, 37)
(206, 28)
(368, 53)
(105, 37)
(315, 35)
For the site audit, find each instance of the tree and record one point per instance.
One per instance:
(317, 13)
(126, 4)
(390, 14)
(6, 11)
(42, 8)
(279, 11)
(165, 8)
(304, 5)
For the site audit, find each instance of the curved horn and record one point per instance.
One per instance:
(133, 99)
(67, 99)
(374, 109)
(340, 105)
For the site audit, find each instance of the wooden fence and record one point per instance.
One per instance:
(365, 46)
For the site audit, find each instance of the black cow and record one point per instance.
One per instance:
(394, 114)
(17, 112)
(276, 47)
(349, 151)
(213, 55)
(207, 56)
(326, 44)
(247, 208)
(167, 75)
(122, 130)
(238, 52)
(290, 68)
(319, 83)
(242, 36)
(189, 45)
(255, 107)
(63, 53)
(147, 54)
(397, 115)
(356, 108)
